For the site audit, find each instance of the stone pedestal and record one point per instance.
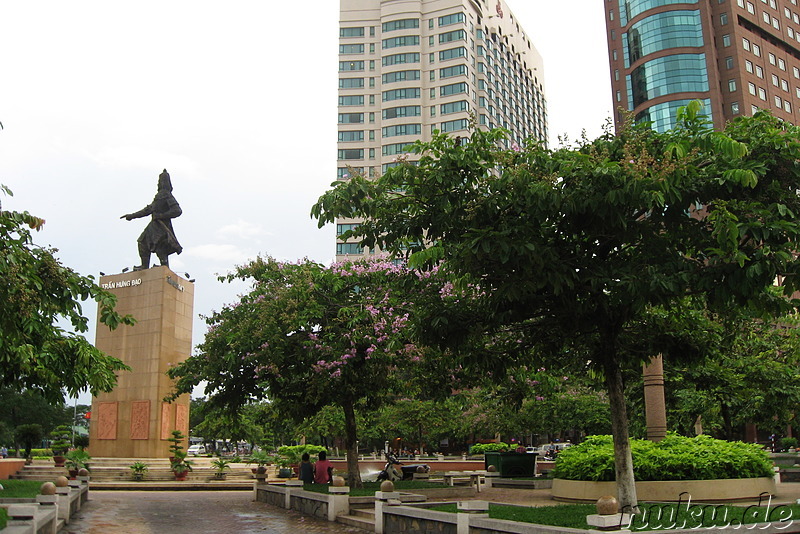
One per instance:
(133, 421)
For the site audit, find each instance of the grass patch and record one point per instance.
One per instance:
(370, 488)
(20, 489)
(653, 516)
(3, 518)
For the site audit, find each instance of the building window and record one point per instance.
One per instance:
(399, 94)
(351, 153)
(453, 89)
(454, 107)
(357, 100)
(787, 106)
(397, 148)
(751, 87)
(399, 59)
(348, 137)
(726, 40)
(403, 40)
(342, 228)
(351, 65)
(765, 16)
(349, 248)
(452, 53)
(452, 126)
(723, 19)
(729, 62)
(796, 72)
(731, 85)
(751, 8)
(455, 18)
(400, 76)
(774, 80)
(756, 50)
(781, 64)
(403, 24)
(351, 49)
(351, 83)
(402, 129)
(759, 72)
(455, 70)
(351, 118)
(746, 44)
(772, 60)
(778, 102)
(449, 37)
(351, 32)
(735, 108)
(402, 111)
(762, 94)
(748, 66)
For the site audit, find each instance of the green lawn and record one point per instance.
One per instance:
(20, 489)
(3, 518)
(651, 516)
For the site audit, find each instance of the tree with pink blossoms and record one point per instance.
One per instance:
(307, 336)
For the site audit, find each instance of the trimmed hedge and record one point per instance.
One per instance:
(673, 458)
(483, 448)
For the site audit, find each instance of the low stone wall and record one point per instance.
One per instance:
(736, 489)
(310, 503)
(272, 495)
(9, 466)
(306, 502)
(403, 519)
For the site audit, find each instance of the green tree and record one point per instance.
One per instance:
(572, 247)
(307, 336)
(39, 294)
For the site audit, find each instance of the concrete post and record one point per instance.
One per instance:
(654, 404)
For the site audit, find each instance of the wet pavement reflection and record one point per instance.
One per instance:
(190, 512)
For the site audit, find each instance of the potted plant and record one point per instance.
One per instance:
(180, 465)
(76, 460)
(60, 437)
(176, 445)
(138, 469)
(261, 459)
(220, 464)
(284, 467)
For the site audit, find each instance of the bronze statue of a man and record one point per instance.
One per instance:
(158, 236)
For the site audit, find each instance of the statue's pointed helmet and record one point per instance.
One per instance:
(164, 183)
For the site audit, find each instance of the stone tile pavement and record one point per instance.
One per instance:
(190, 512)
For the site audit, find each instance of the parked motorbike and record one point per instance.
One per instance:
(396, 470)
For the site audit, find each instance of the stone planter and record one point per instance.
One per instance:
(663, 491)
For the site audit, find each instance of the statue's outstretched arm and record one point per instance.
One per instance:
(144, 212)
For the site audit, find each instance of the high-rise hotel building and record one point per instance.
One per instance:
(409, 67)
(737, 56)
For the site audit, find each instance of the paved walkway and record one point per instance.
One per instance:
(190, 512)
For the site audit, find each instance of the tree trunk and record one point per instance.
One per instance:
(623, 461)
(351, 443)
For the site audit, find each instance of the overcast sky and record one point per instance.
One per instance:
(99, 95)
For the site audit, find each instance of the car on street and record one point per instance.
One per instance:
(194, 450)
